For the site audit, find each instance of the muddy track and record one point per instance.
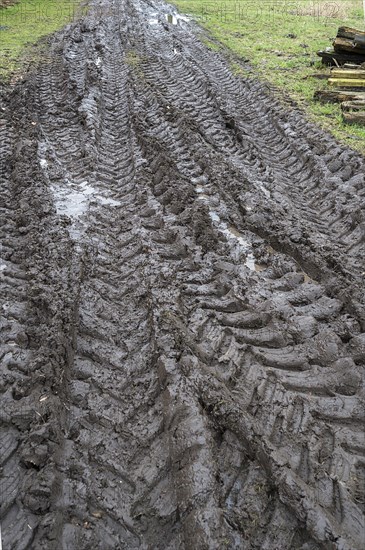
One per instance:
(183, 303)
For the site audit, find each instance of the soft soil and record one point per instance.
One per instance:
(183, 320)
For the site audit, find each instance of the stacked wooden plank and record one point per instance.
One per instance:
(353, 109)
(353, 112)
(349, 79)
(348, 47)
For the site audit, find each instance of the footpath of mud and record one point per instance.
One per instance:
(182, 303)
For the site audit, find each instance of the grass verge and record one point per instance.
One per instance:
(23, 23)
(279, 39)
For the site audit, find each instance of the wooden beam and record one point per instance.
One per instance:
(332, 57)
(348, 32)
(348, 73)
(344, 44)
(353, 105)
(354, 118)
(347, 82)
(337, 96)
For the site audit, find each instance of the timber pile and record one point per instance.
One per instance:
(348, 47)
(353, 108)
(349, 51)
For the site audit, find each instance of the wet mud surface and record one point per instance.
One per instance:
(182, 303)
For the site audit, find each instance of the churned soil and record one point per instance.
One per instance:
(182, 278)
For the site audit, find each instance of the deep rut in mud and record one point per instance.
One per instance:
(182, 273)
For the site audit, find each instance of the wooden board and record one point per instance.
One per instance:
(348, 73)
(347, 82)
(354, 118)
(352, 66)
(349, 32)
(353, 105)
(331, 57)
(337, 96)
(344, 44)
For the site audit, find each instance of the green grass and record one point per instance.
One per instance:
(23, 24)
(280, 38)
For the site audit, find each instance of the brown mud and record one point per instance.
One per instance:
(183, 303)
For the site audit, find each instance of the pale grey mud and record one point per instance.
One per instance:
(182, 282)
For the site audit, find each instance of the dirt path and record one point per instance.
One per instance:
(182, 272)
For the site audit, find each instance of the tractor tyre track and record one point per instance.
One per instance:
(182, 274)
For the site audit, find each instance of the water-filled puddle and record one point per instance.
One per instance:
(171, 18)
(265, 191)
(107, 201)
(69, 202)
(202, 196)
(174, 19)
(234, 235)
(73, 200)
(215, 218)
